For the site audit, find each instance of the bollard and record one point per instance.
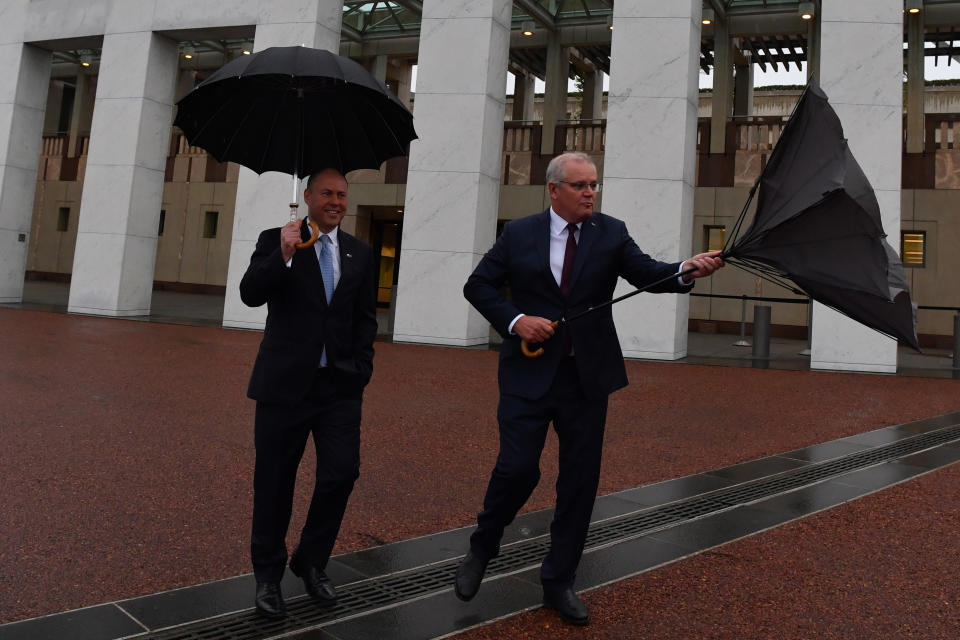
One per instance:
(761, 331)
(743, 342)
(956, 342)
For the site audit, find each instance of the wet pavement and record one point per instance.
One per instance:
(126, 460)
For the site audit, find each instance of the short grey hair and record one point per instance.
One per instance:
(557, 169)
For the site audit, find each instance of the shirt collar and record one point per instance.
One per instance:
(558, 224)
(333, 237)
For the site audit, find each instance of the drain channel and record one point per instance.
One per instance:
(381, 592)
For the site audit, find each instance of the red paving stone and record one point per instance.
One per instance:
(126, 448)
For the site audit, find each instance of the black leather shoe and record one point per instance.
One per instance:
(269, 600)
(570, 607)
(315, 581)
(469, 575)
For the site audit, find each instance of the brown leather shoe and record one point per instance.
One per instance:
(269, 600)
(570, 607)
(318, 585)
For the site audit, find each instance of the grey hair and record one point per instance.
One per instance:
(557, 169)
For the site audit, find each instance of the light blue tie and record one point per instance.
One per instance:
(326, 270)
(326, 266)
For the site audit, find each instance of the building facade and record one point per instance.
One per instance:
(98, 188)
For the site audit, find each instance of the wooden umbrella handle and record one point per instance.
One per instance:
(312, 240)
(530, 353)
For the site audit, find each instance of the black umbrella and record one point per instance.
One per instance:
(296, 110)
(818, 224)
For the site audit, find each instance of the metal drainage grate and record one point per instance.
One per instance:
(377, 593)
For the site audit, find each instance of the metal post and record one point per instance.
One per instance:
(761, 332)
(806, 352)
(743, 342)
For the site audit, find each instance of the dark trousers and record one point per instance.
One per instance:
(579, 423)
(331, 412)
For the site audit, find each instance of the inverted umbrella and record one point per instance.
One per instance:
(296, 110)
(818, 224)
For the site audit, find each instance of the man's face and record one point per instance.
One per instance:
(327, 199)
(571, 204)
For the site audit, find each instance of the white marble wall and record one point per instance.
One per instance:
(23, 95)
(117, 227)
(263, 201)
(649, 168)
(453, 184)
(861, 67)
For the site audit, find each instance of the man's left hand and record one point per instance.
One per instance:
(705, 264)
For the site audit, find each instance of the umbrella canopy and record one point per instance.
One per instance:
(818, 224)
(296, 110)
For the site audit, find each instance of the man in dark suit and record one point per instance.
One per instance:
(315, 358)
(557, 263)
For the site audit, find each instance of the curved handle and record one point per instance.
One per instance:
(311, 241)
(530, 353)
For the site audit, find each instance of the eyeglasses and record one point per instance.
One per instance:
(583, 186)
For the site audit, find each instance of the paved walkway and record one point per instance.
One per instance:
(126, 459)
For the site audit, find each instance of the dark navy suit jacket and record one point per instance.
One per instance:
(521, 259)
(299, 321)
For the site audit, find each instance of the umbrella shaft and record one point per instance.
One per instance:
(629, 295)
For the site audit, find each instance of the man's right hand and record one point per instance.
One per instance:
(533, 328)
(289, 237)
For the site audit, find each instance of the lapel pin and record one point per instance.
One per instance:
(349, 255)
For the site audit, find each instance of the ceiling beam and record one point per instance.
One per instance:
(413, 6)
(538, 13)
(350, 33)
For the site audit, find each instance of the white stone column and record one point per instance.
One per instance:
(263, 201)
(592, 105)
(861, 66)
(24, 80)
(123, 185)
(453, 185)
(651, 155)
(555, 91)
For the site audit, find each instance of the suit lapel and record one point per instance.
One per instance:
(309, 263)
(543, 249)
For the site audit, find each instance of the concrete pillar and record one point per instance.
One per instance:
(722, 86)
(651, 156)
(404, 75)
(123, 185)
(915, 111)
(24, 80)
(555, 92)
(379, 68)
(263, 201)
(453, 185)
(743, 88)
(523, 94)
(592, 106)
(813, 47)
(76, 115)
(861, 67)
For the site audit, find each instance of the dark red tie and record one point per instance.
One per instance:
(566, 275)
(568, 257)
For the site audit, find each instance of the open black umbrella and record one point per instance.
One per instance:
(818, 224)
(296, 110)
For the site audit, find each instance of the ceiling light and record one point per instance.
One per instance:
(914, 6)
(806, 10)
(527, 28)
(610, 22)
(708, 16)
(246, 48)
(86, 59)
(188, 51)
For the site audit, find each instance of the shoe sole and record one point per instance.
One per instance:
(580, 622)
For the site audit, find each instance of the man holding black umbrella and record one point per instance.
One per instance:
(558, 263)
(314, 361)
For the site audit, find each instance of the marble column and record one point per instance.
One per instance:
(523, 94)
(915, 83)
(555, 91)
(592, 105)
(24, 81)
(651, 155)
(861, 66)
(722, 86)
(453, 185)
(123, 185)
(263, 201)
(77, 112)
